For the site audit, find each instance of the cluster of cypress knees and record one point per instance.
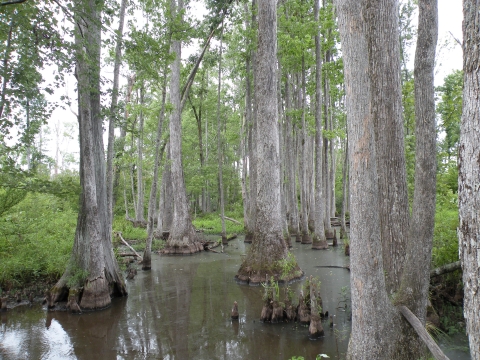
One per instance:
(308, 312)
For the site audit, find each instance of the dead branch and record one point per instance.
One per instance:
(119, 234)
(445, 269)
(420, 329)
(232, 220)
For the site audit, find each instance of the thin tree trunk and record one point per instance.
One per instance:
(219, 145)
(319, 240)
(140, 208)
(113, 110)
(252, 153)
(416, 276)
(468, 176)
(306, 239)
(292, 212)
(147, 255)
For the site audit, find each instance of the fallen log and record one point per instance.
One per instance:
(445, 269)
(232, 220)
(423, 334)
(119, 234)
(127, 254)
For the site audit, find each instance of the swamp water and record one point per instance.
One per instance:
(181, 310)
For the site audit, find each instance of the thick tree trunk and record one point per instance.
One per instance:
(113, 111)
(416, 276)
(268, 247)
(182, 238)
(319, 240)
(92, 275)
(381, 19)
(469, 176)
(372, 313)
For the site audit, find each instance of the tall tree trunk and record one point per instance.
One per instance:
(113, 110)
(303, 142)
(252, 126)
(268, 248)
(345, 197)
(468, 176)
(326, 178)
(416, 276)
(147, 255)
(219, 145)
(384, 72)
(182, 238)
(140, 208)
(372, 312)
(319, 240)
(166, 197)
(92, 274)
(292, 212)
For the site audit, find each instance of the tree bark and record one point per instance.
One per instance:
(182, 238)
(372, 313)
(416, 276)
(219, 145)
(268, 247)
(140, 208)
(92, 274)
(252, 144)
(469, 176)
(319, 240)
(113, 110)
(147, 255)
(381, 20)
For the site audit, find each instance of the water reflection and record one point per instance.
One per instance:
(181, 310)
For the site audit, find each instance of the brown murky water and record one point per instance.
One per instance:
(181, 310)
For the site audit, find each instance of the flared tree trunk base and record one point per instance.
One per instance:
(330, 234)
(246, 274)
(319, 244)
(193, 248)
(306, 238)
(94, 294)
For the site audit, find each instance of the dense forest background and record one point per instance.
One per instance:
(39, 194)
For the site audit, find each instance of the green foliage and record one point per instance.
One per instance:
(212, 223)
(450, 110)
(77, 276)
(288, 264)
(36, 239)
(129, 232)
(445, 241)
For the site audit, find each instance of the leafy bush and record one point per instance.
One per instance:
(445, 241)
(128, 231)
(36, 239)
(212, 223)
